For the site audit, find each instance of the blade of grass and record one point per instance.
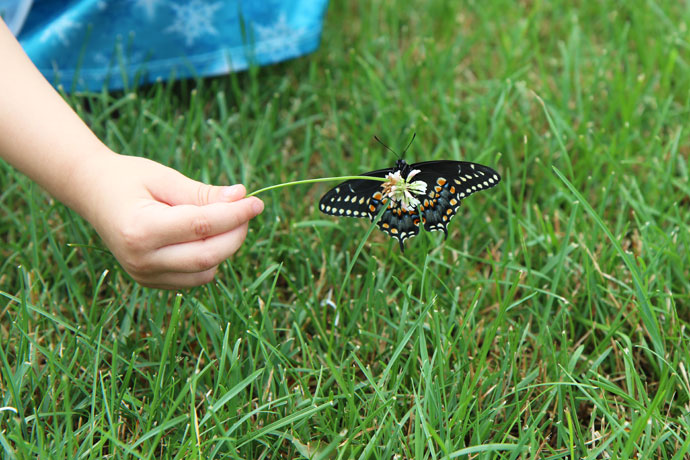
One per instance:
(649, 318)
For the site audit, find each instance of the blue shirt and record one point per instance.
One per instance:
(92, 44)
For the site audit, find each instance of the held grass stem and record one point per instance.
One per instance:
(312, 181)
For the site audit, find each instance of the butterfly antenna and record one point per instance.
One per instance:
(408, 145)
(381, 142)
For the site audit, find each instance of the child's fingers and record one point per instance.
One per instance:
(198, 256)
(174, 280)
(186, 223)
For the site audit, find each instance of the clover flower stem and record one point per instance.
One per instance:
(312, 181)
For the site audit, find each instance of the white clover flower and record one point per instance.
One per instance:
(403, 191)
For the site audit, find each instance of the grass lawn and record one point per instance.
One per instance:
(552, 323)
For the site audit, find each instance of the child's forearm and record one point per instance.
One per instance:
(40, 134)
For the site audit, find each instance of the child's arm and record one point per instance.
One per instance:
(165, 229)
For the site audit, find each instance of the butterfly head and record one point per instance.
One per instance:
(402, 166)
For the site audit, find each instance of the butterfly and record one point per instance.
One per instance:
(427, 193)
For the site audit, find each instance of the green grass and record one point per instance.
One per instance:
(552, 323)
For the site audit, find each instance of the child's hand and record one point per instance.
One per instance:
(166, 230)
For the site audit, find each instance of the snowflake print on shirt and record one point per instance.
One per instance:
(148, 6)
(194, 19)
(278, 40)
(61, 30)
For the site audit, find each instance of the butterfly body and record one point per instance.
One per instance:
(447, 184)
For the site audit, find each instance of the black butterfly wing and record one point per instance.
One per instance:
(353, 198)
(448, 183)
(364, 198)
(397, 222)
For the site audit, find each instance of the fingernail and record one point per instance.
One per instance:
(230, 191)
(258, 205)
